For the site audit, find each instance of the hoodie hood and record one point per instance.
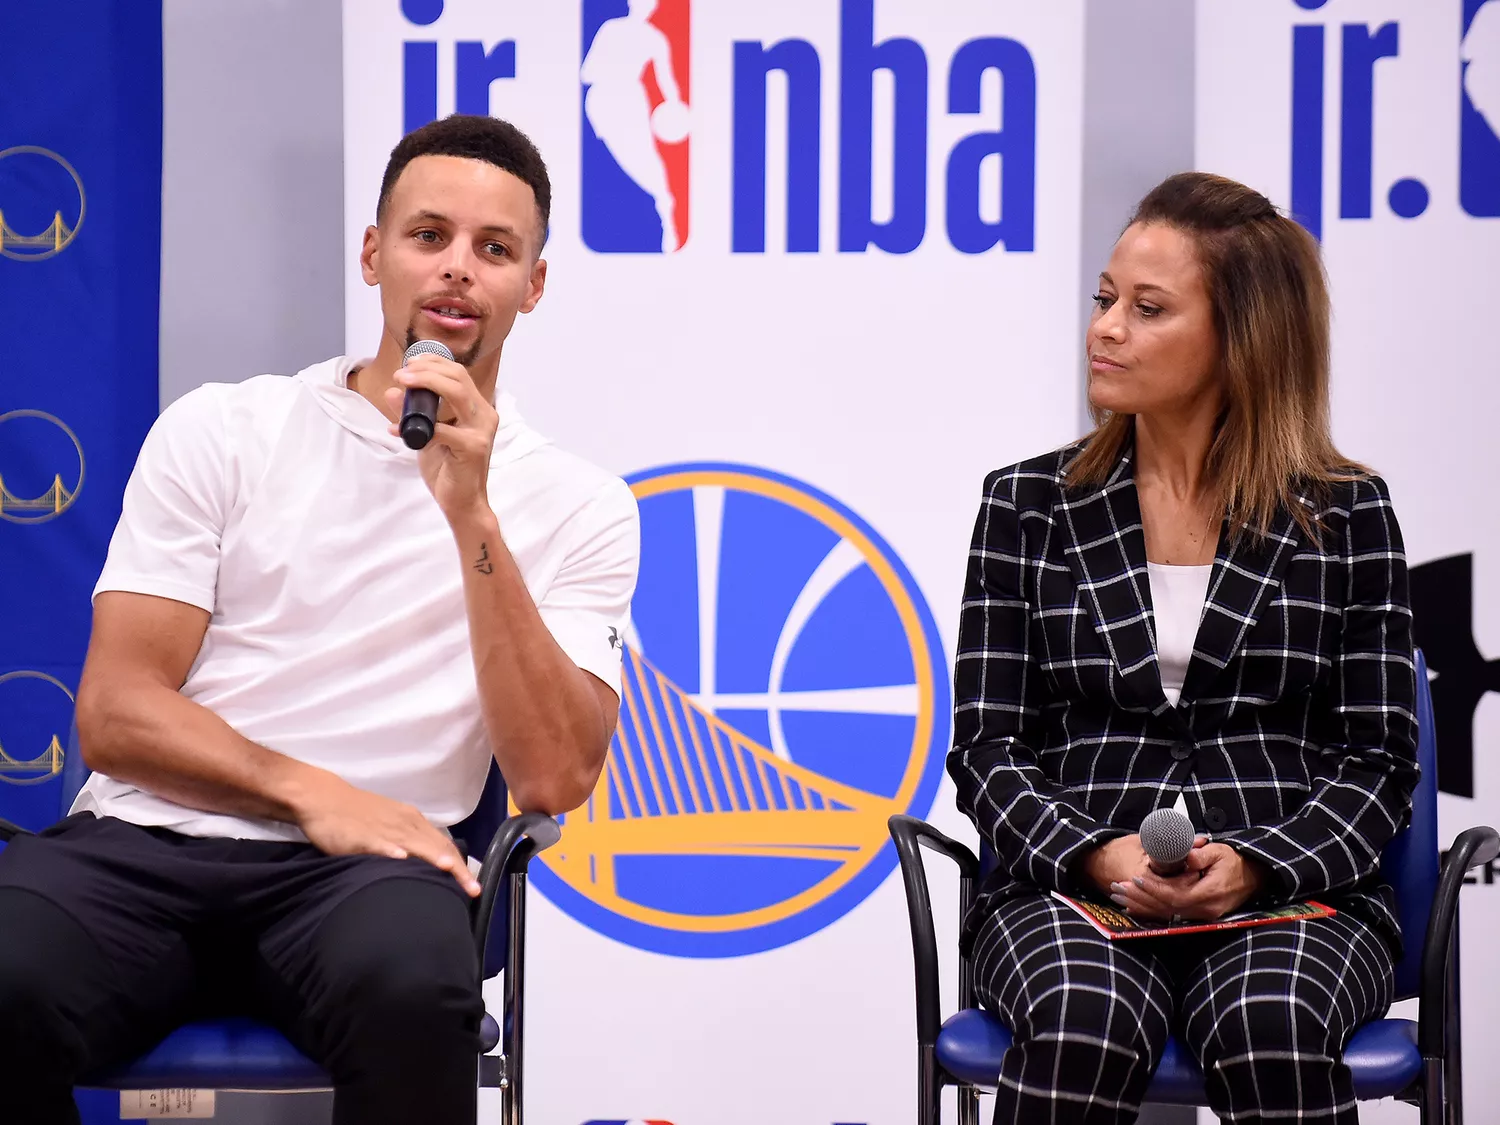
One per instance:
(328, 384)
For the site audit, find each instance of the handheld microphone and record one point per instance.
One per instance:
(420, 406)
(1167, 837)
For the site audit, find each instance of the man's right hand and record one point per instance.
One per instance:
(341, 819)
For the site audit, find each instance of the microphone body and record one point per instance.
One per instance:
(419, 408)
(1167, 837)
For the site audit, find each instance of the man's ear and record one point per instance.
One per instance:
(369, 254)
(535, 285)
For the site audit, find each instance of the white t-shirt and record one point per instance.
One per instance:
(1177, 597)
(339, 635)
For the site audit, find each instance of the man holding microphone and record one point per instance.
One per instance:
(309, 643)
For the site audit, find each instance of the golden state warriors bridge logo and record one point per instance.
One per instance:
(41, 203)
(35, 709)
(41, 467)
(784, 693)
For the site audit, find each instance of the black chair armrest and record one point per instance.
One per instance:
(516, 840)
(1473, 848)
(911, 834)
(9, 831)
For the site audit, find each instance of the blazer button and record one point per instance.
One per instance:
(1215, 819)
(1182, 750)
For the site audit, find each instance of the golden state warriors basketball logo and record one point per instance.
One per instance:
(41, 467)
(41, 203)
(784, 693)
(35, 709)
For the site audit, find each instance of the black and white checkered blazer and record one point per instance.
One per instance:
(1294, 739)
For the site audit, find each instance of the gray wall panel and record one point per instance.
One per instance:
(1138, 118)
(252, 189)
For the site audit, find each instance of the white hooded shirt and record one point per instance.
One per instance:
(338, 635)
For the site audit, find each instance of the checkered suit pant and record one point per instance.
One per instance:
(1266, 1011)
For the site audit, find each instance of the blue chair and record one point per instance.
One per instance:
(241, 1054)
(1415, 1061)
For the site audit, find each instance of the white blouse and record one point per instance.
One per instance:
(1177, 597)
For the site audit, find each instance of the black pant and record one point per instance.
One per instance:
(111, 935)
(1266, 1012)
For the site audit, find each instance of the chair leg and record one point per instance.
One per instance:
(968, 1105)
(929, 1089)
(511, 1023)
(1434, 1110)
(1453, 1070)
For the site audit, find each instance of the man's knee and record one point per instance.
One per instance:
(389, 991)
(401, 964)
(28, 1010)
(36, 939)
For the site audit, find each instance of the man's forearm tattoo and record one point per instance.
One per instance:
(483, 564)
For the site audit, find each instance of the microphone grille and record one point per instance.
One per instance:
(428, 347)
(1167, 836)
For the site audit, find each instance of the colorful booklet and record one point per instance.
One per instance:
(1115, 924)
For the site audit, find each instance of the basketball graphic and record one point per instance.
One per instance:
(785, 692)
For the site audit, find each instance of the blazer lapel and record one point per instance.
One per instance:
(1247, 573)
(1107, 555)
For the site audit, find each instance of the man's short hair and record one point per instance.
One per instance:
(475, 138)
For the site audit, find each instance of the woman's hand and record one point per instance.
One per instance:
(1117, 864)
(1217, 881)
(1120, 860)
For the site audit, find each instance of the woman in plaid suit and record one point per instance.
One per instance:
(1281, 719)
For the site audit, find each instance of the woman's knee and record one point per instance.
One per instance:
(1269, 1025)
(1115, 1017)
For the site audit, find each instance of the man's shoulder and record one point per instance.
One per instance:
(257, 395)
(568, 485)
(217, 416)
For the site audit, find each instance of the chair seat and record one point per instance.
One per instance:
(1382, 1055)
(232, 1054)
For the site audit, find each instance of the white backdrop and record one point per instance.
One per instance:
(891, 382)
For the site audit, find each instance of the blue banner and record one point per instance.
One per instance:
(80, 256)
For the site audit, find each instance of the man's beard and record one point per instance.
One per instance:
(466, 358)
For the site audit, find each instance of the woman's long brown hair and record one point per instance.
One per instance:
(1265, 282)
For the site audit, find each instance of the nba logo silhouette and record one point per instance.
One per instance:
(635, 125)
(1479, 129)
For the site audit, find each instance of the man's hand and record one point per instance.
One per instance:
(341, 819)
(1217, 881)
(456, 462)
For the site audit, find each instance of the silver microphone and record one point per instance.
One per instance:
(420, 406)
(1167, 837)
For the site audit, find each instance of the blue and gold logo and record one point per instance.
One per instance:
(784, 693)
(41, 467)
(34, 708)
(41, 203)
